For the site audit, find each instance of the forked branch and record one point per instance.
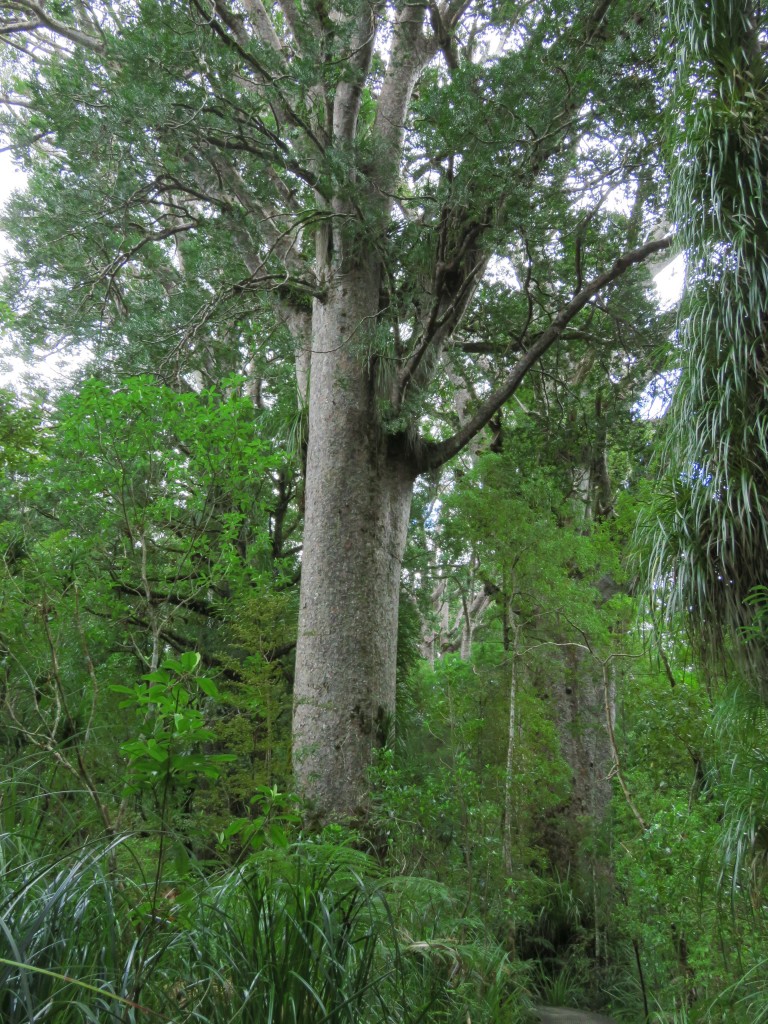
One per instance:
(432, 455)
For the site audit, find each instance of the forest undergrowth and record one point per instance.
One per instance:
(417, 920)
(517, 851)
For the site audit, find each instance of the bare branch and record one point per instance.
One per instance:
(261, 24)
(10, 101)
(284, 241)
(20, 26)
(452, 11)
(442, 322)
(109, 273)
(292, 16)
(225, 25)
(411, 52)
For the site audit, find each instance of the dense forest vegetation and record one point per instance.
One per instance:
(384, 589)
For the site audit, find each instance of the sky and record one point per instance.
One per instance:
(53, 368)
(10, 179)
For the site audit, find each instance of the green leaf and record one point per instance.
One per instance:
(157, 677)
(208, 687)
(155, 751)
(189, 661)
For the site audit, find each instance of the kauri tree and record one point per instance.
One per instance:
(224, 185)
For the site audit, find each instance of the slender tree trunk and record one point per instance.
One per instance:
(511, 649)
(358, 498)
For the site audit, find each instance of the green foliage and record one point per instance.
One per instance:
(20, 433)
(125, 543)
(566, 988)
(256, 694)
(295, 935)
(277, 821)
(439, 793)
(691, 883)
(63, 949)
(741, 726)
(708, 532)
(704, 532)
(168, 752)
(181, 174)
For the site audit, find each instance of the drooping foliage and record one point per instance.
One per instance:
(709, 527)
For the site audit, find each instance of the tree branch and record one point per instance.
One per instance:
(59, 28)
(10, 101)
(224, 24)
(409, 55)
(261, 24)
(430, 456)
(346, 105)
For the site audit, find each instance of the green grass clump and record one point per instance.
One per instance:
(300, 935)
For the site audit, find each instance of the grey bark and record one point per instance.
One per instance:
(358, 498)
(358, 490)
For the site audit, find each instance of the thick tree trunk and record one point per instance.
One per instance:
(358, 499)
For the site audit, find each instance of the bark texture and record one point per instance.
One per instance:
(358, 498)
(578, 709)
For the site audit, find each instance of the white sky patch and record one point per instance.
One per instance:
(55, 369)
(501, 270)
(658, 395)
(11, 178)
(670, 281)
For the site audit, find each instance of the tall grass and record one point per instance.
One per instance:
(303, 935)
(65, 953)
